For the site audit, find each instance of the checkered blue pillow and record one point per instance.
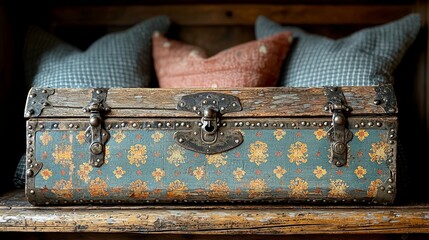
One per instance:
(365, 58)
(119, 59)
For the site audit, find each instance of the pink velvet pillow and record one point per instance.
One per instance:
(252, 64)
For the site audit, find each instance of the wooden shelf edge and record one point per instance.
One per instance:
(17, 215)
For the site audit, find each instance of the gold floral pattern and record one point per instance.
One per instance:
(80, 137)
(360, 172)
(218, 190)
(158, 174)
(177, 190)
(199, 172)
(106, 154)
(217, 159)
(257, 188)
(246, 172)
(239, 174)
(373, 188)
(63, 189)
(258, 152)
(157, 136)
(177, 155)
(63, 155)
(320, 134)
(98, 188)
(279, 134)
(337, 189)
(119, 172)
(298, 187)
(45, 138)
(46, 174)
(298, 153)
(279, 172)
(83, 172)
(119, 136)
(378, 152)
(319, 172)
(139, 189)
(361, 134)
(137, 155)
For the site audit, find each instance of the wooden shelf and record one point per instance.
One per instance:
(17, 215)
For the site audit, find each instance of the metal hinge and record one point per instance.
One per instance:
(37, 101)
(207, 137)
(339, 135)
(95, 134)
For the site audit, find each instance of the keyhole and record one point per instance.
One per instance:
(209, 128)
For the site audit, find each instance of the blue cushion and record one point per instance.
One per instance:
(118, 59)
(365, 58)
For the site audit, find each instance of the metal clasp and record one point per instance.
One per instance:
(95, 134)
(339, 135)
(208, 137)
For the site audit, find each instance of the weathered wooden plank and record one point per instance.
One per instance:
(138, 236)
(229, 14)
(256, 102)
(19, 216)
(217, 221)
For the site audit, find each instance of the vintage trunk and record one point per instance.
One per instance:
(145, 145)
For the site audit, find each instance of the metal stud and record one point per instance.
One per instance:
(265, 124)
(282, 125)
(356, 125)
(247, 123)
(378, 124)
(181, 140)
(370, 124)
(237, 140)
(168, 124)
(293, 124)
(134, 125)
(41, 126)
(159, 124)
(303, 123)
(32, 192)
(123, 124)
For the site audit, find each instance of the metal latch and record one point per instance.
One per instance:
(208, 136)
(95, 134)
(339, 135)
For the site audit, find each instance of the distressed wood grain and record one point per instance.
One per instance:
(19, 216)
(256, 102)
